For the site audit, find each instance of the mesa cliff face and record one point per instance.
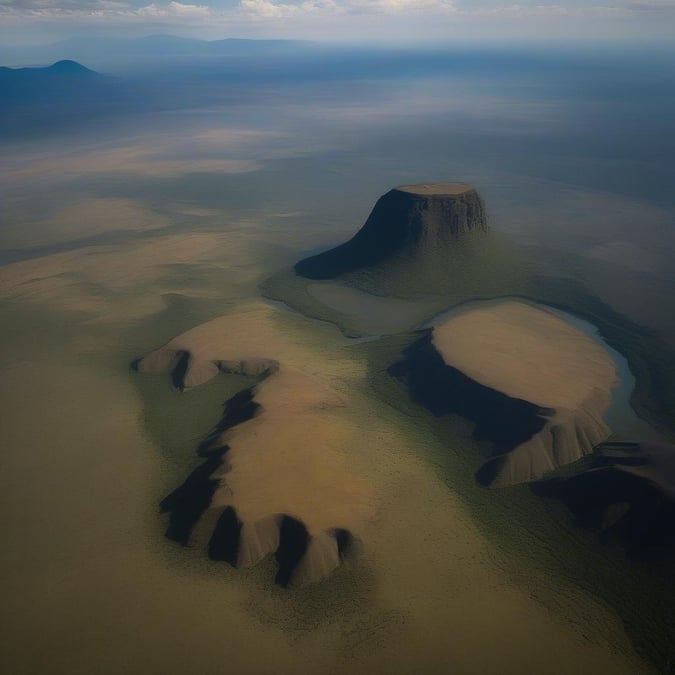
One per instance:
(535, 386)
(406, 219)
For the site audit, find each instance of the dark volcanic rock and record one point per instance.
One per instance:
(624, 491)
(407, 218)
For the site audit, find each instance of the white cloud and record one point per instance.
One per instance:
(172, 9)
(416, 20)
(652, 4)
(549, 10)
(270, 9)
(102, 10)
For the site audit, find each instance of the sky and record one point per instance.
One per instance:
(394, 21)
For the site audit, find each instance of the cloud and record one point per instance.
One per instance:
(539, 10)
(61, 5)
(269, 9)
(652, 5)
(259, 9)
(101, 10)
(176, 9)
(416, 20)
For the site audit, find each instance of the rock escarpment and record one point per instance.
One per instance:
(535, 386)
(408, 219)
(274, 480)
(625, 491)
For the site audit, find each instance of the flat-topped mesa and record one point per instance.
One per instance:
(406, 219)
(275, 480)
(535, 386)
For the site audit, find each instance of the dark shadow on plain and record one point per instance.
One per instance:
(224, 543)
(345, 542)
(187, 503)
(293, 542)
(237, 410)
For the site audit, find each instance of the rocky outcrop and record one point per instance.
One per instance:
(274, 480)
(535, 386)
(624, 491)
(409, 218)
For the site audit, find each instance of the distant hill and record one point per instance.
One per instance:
(38, 99)
(143, 53)
(40, 85)
(64, 67)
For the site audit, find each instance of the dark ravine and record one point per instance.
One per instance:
(407, 218)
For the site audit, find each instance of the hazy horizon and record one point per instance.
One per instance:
(179, 399)
(389, 22)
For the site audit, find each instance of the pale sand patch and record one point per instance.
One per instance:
(104, 280)
(84, 218)
(531, 354)
(631, 256)
(527, 353)
(146, 160)
(115, 267)
(248, 335)
(235, 140)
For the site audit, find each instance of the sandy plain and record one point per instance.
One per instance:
(92, 586)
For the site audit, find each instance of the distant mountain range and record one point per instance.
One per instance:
(146, 52)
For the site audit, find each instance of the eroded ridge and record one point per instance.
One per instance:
(275, 480)
(534, 385)
(625, 491)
